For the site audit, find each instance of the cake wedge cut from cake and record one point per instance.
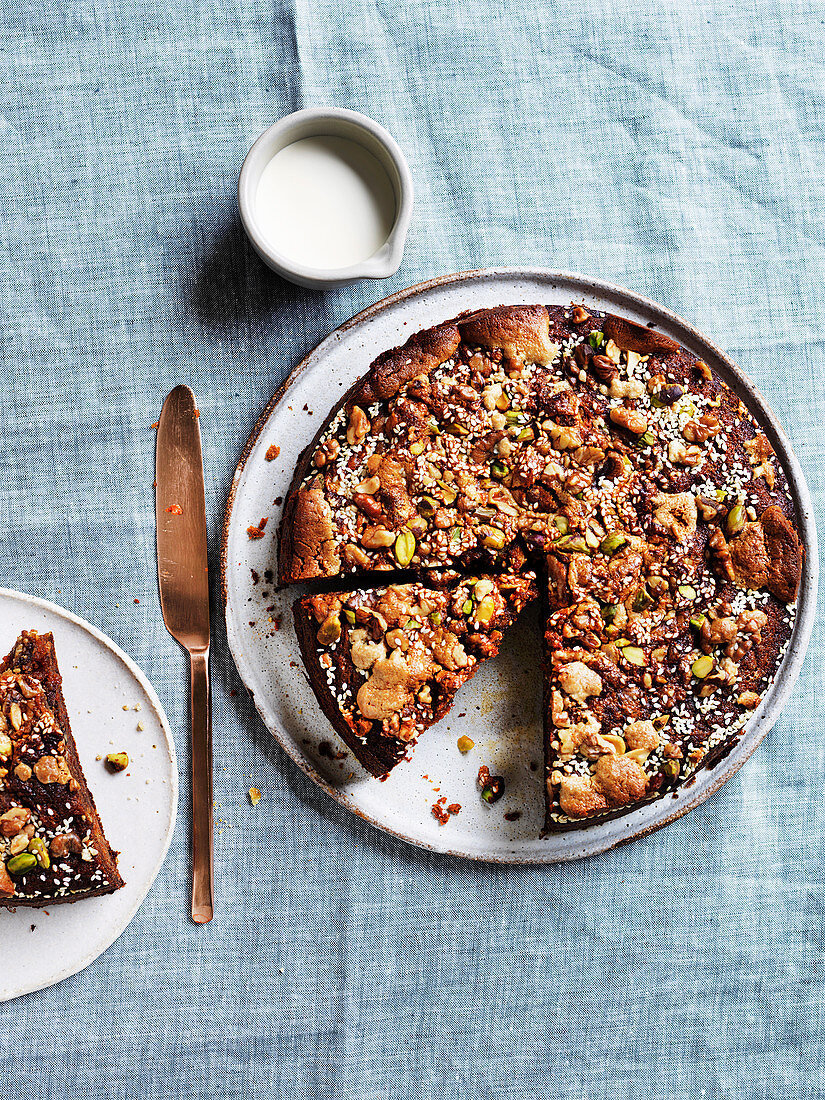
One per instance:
(386, 663)
(52, 845)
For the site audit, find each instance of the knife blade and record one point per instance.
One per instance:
(183, 583)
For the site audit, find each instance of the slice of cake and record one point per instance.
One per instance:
(386, 663)
(52, 847)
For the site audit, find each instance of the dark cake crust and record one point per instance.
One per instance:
(44, 798)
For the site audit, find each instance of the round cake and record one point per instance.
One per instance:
(558, 453)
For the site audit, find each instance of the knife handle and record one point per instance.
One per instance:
(202, 846)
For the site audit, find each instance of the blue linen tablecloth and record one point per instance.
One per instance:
(674, 146)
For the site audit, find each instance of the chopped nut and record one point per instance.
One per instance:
(676, 513)
(358, 426)
(330, 630)
(748, 699)
(701, 430)
(604, 368)
(377, 538)
(632, 388)
(631, 419)
(254, 795)
(13, 821)
(65, 844)
(682, 455)
(117, 761)
(52, 769)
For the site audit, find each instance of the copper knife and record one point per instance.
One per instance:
(183, 580)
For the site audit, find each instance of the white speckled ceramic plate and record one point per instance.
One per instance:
(39, 947)
(500, 709)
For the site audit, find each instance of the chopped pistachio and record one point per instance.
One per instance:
(669, 395)
(702, 667)
(612, 542)
(21, 864)
(736, 519)
(571, 544)
(404, 548)
(634, 655)
(467, 607)
(642, 599)
(37, 846)
(493, 789)
(495, 539)
(117, 761)
(688, 591)
(595, 339)
(330, 630)
(609, 613)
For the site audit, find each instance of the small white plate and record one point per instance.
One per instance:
(500, 708)
(39, 947)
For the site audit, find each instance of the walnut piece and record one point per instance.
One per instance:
(14, 820)
(631, 419)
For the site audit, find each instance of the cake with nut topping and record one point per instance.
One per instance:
(52, 845)
(612, 461)
(386, 663)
